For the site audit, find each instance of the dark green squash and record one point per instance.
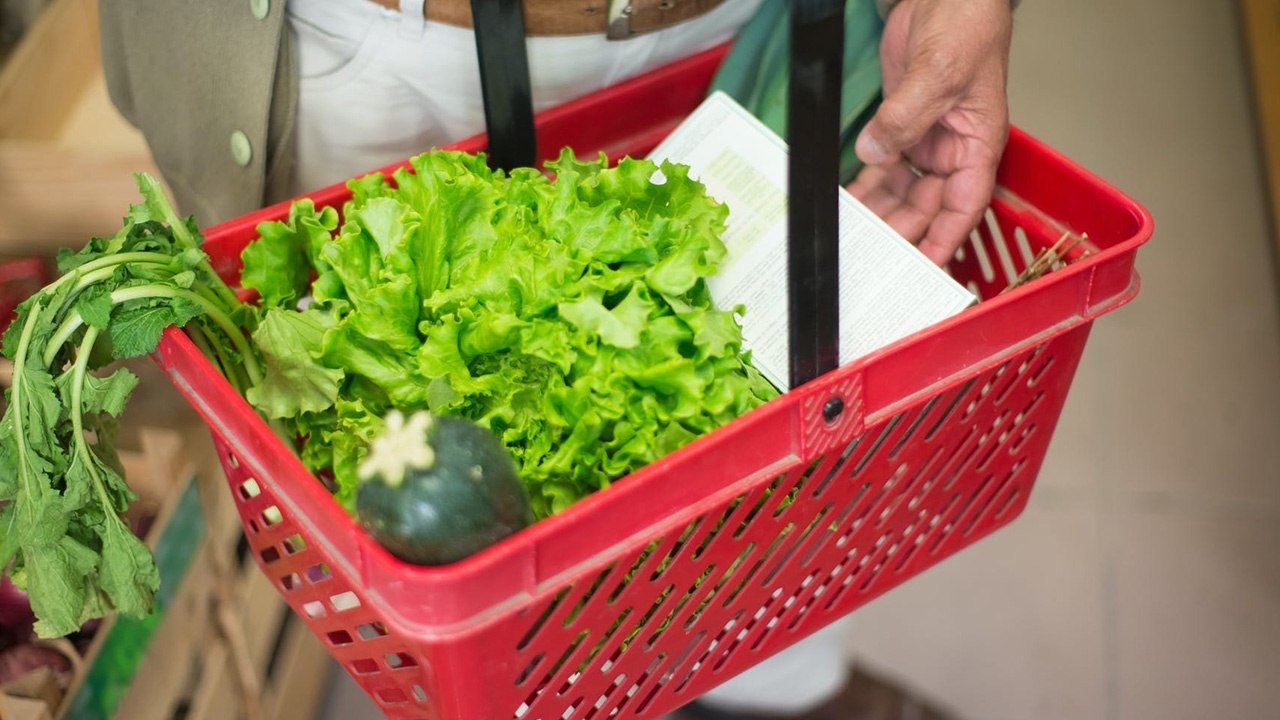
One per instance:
(435, 489)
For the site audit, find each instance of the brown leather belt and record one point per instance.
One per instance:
(617, 19)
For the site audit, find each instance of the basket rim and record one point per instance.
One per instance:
(517, 557)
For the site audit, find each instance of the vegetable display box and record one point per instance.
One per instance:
(219, 642)
(637, 599)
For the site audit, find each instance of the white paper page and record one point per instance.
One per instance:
(888, 289)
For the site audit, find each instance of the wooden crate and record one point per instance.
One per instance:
(222, 645)
(60, 134)
(236, 652)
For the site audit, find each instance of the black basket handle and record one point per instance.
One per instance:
(504, 82)
(813, 129)
(813, 176)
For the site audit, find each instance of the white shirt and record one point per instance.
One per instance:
(377, 86)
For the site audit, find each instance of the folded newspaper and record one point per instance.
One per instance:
(888, 288)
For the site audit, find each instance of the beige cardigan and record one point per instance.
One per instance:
(213, 87)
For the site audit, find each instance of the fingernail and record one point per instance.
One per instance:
(870, 151)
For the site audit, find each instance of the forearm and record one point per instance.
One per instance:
(884, 7)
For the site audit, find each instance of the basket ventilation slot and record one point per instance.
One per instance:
(326, 600)
(807, 546)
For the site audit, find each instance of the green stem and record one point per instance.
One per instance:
(15, 396)
(182, 234)
(213, 288)
(180, 231)
(202, 343)
(103, 272)
(103, 267)
(214, 282)
(98, 274)
(73, 321)
(77, 419)
(77, 407)
(109, 261)
(216, 352)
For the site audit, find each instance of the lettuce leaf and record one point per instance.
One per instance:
(295, 381)
(570, 317)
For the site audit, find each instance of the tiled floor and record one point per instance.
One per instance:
(1143, 582)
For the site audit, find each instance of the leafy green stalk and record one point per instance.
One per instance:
(233, 371)
(155, 261)
(157, 202)
(73, 321)
(62, 491)
(16, 400)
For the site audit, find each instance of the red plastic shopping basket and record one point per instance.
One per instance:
(19, 280)
(646, 594)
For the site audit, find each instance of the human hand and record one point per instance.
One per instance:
(933, 147)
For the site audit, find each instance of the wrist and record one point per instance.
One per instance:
(884, 7)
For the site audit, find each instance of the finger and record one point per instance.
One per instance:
(873, 188)
(964, 199)
(882, 201)
(913, 217)
(897, 179)
(910, 222)
(905, 201)
(868, 179)
(910, 217)
(907, 114)
(902, 179)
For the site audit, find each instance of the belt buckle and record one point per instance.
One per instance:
(618, 26)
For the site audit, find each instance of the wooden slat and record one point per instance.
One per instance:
(1260, 21)
(183, 635)
(298, 688)
(95, 124)
(56, 197)
(42, 81)
(66, 155)
(261, 614)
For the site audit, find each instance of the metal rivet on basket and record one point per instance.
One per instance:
(832, 409)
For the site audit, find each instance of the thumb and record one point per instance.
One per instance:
(906, 114)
